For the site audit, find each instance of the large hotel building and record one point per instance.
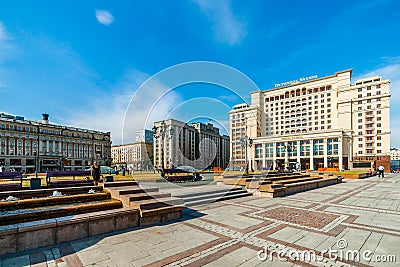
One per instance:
(320, 123)
(199, 145)
(28, 145)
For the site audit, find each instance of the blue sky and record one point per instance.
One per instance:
(82, 61)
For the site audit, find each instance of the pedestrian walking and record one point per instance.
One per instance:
(381, 170)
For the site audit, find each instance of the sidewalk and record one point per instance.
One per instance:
(357, 216)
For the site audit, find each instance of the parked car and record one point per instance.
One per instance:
(105, 170)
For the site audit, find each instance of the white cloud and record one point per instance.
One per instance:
(227, 27)
(3, 32)
(115, 112)
(6, 51)
(391, 71)
(104, 17)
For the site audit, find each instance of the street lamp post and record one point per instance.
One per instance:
(246, 141)
(35, 154)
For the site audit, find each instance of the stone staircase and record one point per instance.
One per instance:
(212, 195)
(279, 184)
(154, 207)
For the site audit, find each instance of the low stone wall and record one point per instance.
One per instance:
(356, 176)
(24, 236)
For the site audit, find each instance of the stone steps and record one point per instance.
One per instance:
(50, 212)
(31, 235)
(154, 207)
(142, 196)
(200, 198)
(150, 204)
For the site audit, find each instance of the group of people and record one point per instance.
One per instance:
(3, 169)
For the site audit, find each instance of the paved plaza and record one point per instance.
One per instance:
(356, 223)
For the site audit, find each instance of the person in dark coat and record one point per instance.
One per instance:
(96, 173)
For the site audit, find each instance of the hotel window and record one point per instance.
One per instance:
(329, 100)
(328, 110)
(329, 121)
(369, 94)
(379, 151)
(379, 138)
(328, 94)
(359, 102)
(378, 99)
(378, 118)
(378, 92)
(378, 125)
(316, 112)
(359, 89)
(318, 147)
(359, 126)
(359, 133)
(360, 120)
(378, 86)
(369, 107)
(378, 105)
(359, 96)
(360, 139)
(359, 114)
(360, 145)
(369, 100)
(258, 150)
(378, 144)
(368, 87)
(378, 131)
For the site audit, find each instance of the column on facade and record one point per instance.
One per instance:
(286, 154)
(340, 152)
(274, 155)
(311, 155)
(40, 145)
(47, 146)
(263, 154)
(102, 150)
(23, 146)
(298, 151)
(54, 146)
(325, 152)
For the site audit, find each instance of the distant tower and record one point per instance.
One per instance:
(45, 118)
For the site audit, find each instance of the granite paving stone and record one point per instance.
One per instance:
(365, 213)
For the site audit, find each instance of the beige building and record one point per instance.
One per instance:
(135, 155)
(318, 122)
(394, 153)
(26, 145)
(198, 145)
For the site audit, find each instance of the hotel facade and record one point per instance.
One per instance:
(320, 123)
(199, 145)
(27, 145)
